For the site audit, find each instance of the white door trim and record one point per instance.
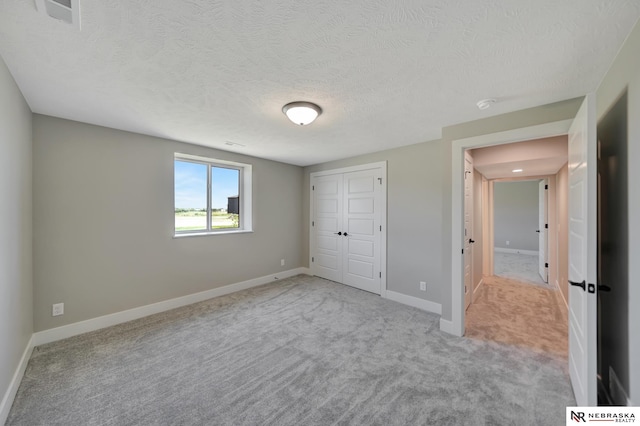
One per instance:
(557, 128)
(382, 165)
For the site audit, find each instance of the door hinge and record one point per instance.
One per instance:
(546, 226)
(546, 265)
(380, 228)
(380, 180)
(546, 187)
(380, 274)
(313, 223)
(313, 187)
(462, 251)
(312, 259)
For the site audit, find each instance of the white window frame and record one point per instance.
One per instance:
(245, 196)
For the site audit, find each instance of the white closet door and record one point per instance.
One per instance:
(347, 228)
(327, 227)
(361, 235)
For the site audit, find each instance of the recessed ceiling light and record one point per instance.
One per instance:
(485, 103)
(517, 170)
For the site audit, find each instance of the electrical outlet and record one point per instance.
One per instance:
(507, 242)
(57, 309)
(281, 262)
(423, 286)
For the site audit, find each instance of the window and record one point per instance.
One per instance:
(211, 196)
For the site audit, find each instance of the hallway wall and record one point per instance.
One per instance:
(516, 215)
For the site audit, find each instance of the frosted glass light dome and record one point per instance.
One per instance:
(302, 113)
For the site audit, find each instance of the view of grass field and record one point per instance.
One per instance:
(196, 219)
(201, 184)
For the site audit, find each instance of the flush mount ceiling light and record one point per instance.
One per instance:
(485, 103)
(517, 170)
(302, 113)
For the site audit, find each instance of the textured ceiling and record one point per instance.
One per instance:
(386, 73)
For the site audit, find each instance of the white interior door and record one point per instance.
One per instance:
(468, 228)
(361, 235)
(543, 230)
(327, 227)
(582, 254)
(347, 228)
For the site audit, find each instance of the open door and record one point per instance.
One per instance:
(468, 229)
(543, 230)
(583, 254)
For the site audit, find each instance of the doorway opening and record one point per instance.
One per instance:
(513, 286)
(521, 230)
(582, 259)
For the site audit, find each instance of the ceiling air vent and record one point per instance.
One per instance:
(63, 10)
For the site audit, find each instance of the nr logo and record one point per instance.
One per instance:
(577, 416)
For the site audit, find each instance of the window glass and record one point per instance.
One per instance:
(190, 196)
(211, 196)
(225, 198)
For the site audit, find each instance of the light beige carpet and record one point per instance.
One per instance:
(519, 314)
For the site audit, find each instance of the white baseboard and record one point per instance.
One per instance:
(566, 304)
(10, 394)
(425, 305)
(448, 327)
(515, 251)
(65, 331)
(476, 291)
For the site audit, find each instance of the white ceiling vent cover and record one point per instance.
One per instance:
(64, 10)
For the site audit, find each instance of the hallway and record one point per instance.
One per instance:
(518, 267)
(514, 313)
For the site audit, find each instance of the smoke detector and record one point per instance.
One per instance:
(63, 10)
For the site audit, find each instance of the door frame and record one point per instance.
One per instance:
(556, 128)
(382, 165)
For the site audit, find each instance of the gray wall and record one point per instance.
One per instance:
(104, 223)
(625, 74)
(16, 290)
(515, 209)
(414, 196)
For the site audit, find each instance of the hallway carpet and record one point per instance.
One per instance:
(518, 314)
(300, 351)
(518, 266)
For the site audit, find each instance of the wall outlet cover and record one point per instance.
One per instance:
(57, 309)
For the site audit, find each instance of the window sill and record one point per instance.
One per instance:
(206, 234)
